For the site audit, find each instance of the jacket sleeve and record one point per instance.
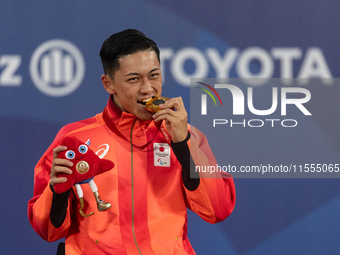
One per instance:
(214, 198)
(39, 207)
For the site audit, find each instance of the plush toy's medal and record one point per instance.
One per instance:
(152, 104)
(82, 167)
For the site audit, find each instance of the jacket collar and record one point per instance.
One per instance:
(143, 132)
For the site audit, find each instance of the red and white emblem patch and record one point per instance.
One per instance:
(161, 154)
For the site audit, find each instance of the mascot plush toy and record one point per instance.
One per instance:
(86, 164)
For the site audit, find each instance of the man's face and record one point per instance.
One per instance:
(138, 79)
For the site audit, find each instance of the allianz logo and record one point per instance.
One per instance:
(57, 68)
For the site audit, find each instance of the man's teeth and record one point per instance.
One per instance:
(143, 102)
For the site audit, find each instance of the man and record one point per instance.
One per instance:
(149, 194)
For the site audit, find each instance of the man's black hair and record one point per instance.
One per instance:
(124, 43)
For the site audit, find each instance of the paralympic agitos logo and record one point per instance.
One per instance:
(295, 96)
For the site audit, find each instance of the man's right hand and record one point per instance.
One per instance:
(59, 166)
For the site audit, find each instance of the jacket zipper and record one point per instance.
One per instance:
(132, 191)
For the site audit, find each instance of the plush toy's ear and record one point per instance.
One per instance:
(70, 142)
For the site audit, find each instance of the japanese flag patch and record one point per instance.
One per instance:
(161, 154)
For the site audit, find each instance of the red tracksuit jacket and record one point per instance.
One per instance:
(146, 190)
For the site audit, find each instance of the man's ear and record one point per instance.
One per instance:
(108, 84)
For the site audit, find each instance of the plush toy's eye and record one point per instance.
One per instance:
(83, 149)
(70, 154)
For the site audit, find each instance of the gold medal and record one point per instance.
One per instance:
(152, 104)
(82, 167)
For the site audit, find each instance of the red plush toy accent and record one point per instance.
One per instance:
(86, 164)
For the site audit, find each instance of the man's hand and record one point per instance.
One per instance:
(59, 166)
(176, 118)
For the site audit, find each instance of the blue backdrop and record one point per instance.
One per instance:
(282, 39)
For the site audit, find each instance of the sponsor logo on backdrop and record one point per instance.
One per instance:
(9, 64)
(281, 62)
(57, 68)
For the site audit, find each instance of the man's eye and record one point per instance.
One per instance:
(133, 79)
(154, 75)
